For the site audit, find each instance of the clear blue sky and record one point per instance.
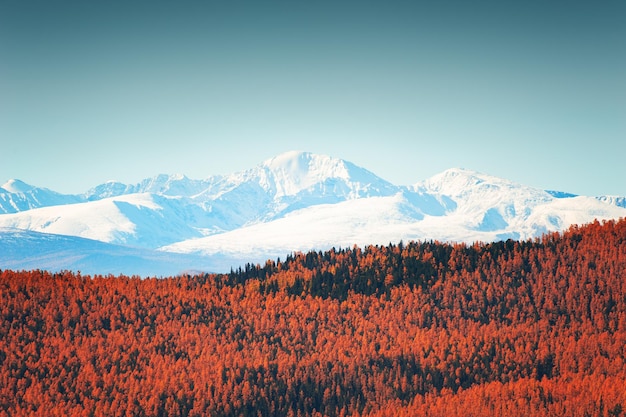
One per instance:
(533, 91)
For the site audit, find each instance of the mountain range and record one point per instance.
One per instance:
(296, 201)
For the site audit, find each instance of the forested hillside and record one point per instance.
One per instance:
(533, 328)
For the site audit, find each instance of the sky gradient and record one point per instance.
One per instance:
(531, 91)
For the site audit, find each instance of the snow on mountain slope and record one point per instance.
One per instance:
(176, 185)
(109, 189)
(485, 203)
(288, 182)
(296, 201)
(491, 208)
(170, 208)
(293, 173)
(560, 214)
(17, 186)
(614, 200)
(28, 250)
(381, 220)
(142, 220)
(282, 178)
(16, 196)
(472, 190)
(357, 221)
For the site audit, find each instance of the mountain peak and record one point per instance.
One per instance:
(296, 170)
(457, 181)
(17, 186)
(169, 184)
(293, 172)
(487, 202)
(459, 172)
(299, 162)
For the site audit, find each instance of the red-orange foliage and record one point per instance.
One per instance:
(532, 328)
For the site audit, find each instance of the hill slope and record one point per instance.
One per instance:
(520, 329)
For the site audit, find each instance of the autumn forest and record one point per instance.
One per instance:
(530, 328)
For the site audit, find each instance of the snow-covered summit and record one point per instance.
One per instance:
(282, 177)
(476, 192)
(288, 182)
(16, 186)
(292, 172)
(176, 185)
(108, 189)
(303, 173)
(17, 196)
(460, 182)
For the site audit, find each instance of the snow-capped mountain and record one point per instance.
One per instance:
(169, 208)
(295, 201)
(17, 196)
(176, 185)
(456, 205)
(288, 182)
(138, 220)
